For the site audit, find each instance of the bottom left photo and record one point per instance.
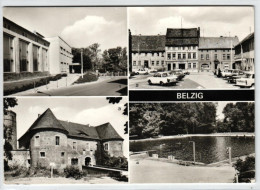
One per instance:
(54, 141)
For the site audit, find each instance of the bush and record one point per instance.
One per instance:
(18, 171)
(87, 77)
(56, 77)
(118, 176)
(246, 169)
(64, 75)
(23, 75)
(74, 172)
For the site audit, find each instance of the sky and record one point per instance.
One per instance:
(91, 110)
(213, 21)
(78, 26)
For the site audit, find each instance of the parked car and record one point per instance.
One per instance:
(179, 73)
(185, 72)
(247, 81)
(227, 72)
(152, 70)
(141, 72)
(162, 78)
(236, 74)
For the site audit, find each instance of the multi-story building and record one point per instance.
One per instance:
(181, 48)
(60, 55)
(148, 52)
(216, 52)
(62, 143)
(244, 54)
(24, 51)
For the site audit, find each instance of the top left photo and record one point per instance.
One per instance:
(65, 51)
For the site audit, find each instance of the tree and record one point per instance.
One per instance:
(94, 55)
(8, 132)
(87, 65)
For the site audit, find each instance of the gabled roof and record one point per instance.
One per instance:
(106, 131)
(248, 37)
(217, 42)
(148, 44)
(182, 36)
(47, 121)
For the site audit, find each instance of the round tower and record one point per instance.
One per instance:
(10, 122)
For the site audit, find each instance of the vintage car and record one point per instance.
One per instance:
(162, 78)
(141, 72)
(227, 72)
(246, 81)
(179, 73)
(236, 74)
(152, 70)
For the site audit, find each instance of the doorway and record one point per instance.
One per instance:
(146, 64)
(87, 161)
(169, 66)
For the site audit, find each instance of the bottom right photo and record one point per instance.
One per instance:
(196, 142)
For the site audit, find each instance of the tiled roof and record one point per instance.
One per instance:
(148, 43)
(248, 37)
(47, 121)
(182, 36)
(217, 42)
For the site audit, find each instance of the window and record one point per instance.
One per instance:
(23, 55)
(202, 56)
(223, 50)
(216, 50)
(57, 140)
(134, 63)
(162, 62)
(179, 48)
(8, 54)
(45, 59)
(179, 56)
(207, 56)
(168, 56)
(74, 161)
(74, 146)
(35, 58)
(139, 63)
(87, 146)
(37, 141)
(189, 65)
(42, 154)
(224, 56)
(216, 56)
(228, 56)
(194, 47)
(173, 56)
(62, 154)
(194, 65)
(189, 47)
(189, 55)
(184, 56)
(152, 63)
(106, 146)
(120, 146)
(157, 63)
(194, 55)
(158, 54)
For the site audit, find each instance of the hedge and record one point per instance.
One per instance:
(87, 77)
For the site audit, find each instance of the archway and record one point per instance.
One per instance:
(87, 161)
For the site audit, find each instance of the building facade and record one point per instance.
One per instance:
(60, 55)
(216, 52)
(63, 143)
(148, 52)
(181, 48)
(23, 51)
(245, 55)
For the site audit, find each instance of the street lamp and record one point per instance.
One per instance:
(194, 151)
(82, 63)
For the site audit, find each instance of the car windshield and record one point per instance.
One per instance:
(164, 75)
(235, 71)
(156, 75)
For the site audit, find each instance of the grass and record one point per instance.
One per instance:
(87, 77)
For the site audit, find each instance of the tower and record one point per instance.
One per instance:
(10, 122)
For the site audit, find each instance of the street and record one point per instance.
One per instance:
(202, 80)
(116, 86)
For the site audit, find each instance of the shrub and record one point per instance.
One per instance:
(19, 171)
(64, 74)
(87, 77)
(74, 172)
(118, 176)
(246, 169)
(56, 77)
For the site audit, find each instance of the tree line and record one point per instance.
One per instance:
(153, 119)
(111, 60)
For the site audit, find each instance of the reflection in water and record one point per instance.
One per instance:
(208, 149)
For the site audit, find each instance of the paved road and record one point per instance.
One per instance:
(116, 86)
(204, 80)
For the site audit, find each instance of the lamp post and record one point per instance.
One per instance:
(194, 151)
(82, 63)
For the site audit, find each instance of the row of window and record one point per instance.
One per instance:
(224, 50)
(157, 54)
(153, 63)
(43, 154)
(224, 56)
(172, 56)
(63, 49)
(182, 48)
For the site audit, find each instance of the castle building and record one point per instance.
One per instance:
(24, 51)
(181, 48)
(147, 52)
(62, 143)
(244, 54)
(216, 52)
(60, 55)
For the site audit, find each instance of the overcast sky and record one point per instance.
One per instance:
(93, 111)
(213, 21)
(79, 26)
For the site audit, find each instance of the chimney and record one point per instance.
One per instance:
(199, 32)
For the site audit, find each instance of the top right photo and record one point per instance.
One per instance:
(197, 47)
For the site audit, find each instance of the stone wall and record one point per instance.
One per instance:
(115, 148)
(20, 158)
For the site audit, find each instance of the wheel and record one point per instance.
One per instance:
(137, 73)
(149, 82)
(161, 83)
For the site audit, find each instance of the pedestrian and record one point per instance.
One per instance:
(219, 73)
